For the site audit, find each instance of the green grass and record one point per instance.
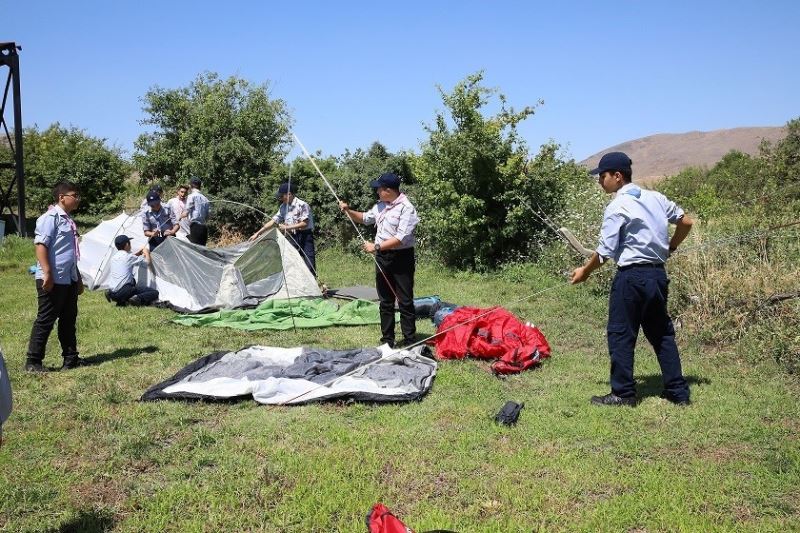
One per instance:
(82, 454)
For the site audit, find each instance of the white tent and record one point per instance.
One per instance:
(193, 278)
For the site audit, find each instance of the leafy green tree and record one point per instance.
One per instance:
(227, 132)
(468, 170)
(69, 154)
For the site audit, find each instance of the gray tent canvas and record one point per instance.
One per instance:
(193, 278)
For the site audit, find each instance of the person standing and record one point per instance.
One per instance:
(395, 218)
(196, 212)
(177, 206)
(157, 222)
(295, 219)
(58, 280)
(635, 234)
(123, 289)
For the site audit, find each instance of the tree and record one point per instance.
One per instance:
(468, 167)
(69, 154)
(229, 133)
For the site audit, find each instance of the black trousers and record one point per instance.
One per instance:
(198, 233)
(303, 241)
(398, 267)
(60, 304)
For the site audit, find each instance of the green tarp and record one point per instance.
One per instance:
(277, 314)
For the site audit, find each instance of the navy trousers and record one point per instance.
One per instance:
(146, 295)
(304, 242)
(639, 298)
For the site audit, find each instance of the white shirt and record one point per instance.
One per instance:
(395, 219)
(121, 269)
(178, 206)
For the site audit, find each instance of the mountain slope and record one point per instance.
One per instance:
(666, 154)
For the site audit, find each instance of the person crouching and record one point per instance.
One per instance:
(123, 289)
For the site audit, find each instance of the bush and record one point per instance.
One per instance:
(69, 154)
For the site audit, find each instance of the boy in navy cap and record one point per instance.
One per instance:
(395, 218)
(157, 223)
(635, 234)
(294, 218)
(123, 289)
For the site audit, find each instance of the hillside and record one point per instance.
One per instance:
(665, 154)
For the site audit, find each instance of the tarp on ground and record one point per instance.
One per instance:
(288, 314)
(194, 278)
(291, 376)
(498, 334)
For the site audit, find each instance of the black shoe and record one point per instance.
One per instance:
(108, 297)
(135, 301)
(34, 367)
(613, 399)
(670, 398)
(73, 362)
(389, 342)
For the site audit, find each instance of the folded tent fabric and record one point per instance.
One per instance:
(496, 335)
(287, 314)
(281, 376)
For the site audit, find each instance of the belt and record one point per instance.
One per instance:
(642, 265)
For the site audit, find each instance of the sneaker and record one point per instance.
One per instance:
(73, 362)
(34, 367)
(135, 301)
(670, 398)
(613, 399)
(108, 296)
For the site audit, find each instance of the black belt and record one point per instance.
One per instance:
(642, 265)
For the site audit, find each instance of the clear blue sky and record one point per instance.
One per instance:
(356, 72)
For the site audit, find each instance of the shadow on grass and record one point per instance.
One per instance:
(88, 521)
(120, 353)
(653, 384)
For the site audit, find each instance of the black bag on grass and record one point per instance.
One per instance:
(509, 414)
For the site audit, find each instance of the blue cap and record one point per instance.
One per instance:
(153, 198)
(386, 180)
(286, 188)
(613, 161)
(195, 181)
(121, 241)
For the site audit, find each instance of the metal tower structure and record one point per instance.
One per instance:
(9, 58)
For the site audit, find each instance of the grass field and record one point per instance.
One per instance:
(82, 454)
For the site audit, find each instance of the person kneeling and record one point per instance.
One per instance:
(123, 285)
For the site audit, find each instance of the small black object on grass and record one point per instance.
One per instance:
(509, 414)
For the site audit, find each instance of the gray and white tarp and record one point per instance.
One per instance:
(291, 376)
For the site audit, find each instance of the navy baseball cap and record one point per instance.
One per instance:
(286, 188)
(612, 161)
(194, 180)
(121, 241)
(386, 180)
(153, 198)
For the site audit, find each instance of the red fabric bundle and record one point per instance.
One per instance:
(496, 335)
(381, 520)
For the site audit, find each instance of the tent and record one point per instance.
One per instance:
(292, 376)
(192, 278)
